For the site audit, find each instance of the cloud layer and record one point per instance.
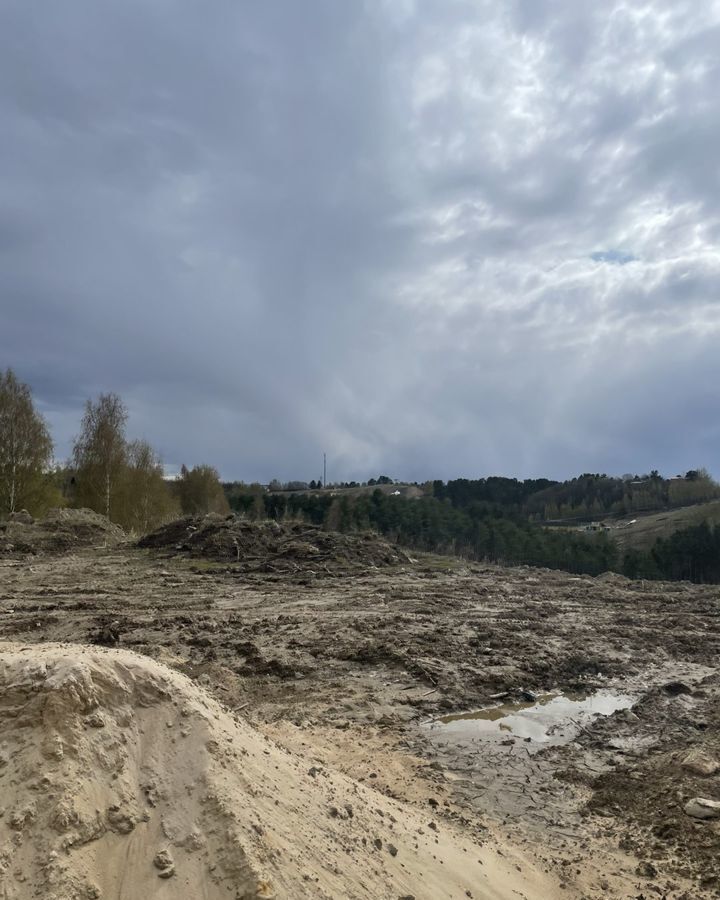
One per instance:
(437, 239)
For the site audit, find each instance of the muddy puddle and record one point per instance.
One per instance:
(554, 718)
(504, 760)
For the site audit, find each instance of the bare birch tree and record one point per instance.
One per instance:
(25, 446)
(100, 453)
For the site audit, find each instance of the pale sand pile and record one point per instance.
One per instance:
(120, 779)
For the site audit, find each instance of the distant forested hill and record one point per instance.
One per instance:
(584, 498)
(502, 519)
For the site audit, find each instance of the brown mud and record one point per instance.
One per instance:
(350, 660)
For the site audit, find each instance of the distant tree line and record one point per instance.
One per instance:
(125, 480)
(120, 478)
(582, 499)
(597, 496)
(690, 554)
(312, 485)
(426, 523)
(484, 520)
(588, 497)
(507, 494)
(495, 519)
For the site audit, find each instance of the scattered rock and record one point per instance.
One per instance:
(194, 841)
(701, 808)
(95, 721)
(22, 817)
(646, 870)
(666, 831)
(119, 821)
(107, 633)
(700, 763)
(163, 862)
(676, 688)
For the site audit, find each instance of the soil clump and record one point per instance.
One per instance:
(60, 531)
(271, 546)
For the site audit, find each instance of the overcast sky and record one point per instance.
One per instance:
(435, 239)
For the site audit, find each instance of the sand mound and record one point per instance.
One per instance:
(62, 530)
(269, 546)
(120, 779)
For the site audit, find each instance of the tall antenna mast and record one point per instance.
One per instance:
(324, 469)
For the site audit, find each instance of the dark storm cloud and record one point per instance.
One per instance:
(433, 239)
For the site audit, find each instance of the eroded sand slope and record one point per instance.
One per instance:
(121, 779)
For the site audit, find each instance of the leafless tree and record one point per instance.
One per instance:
(100, 452)
(25, 445)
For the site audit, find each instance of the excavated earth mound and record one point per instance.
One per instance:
(121, 779)
(61, 531)
(267, 546)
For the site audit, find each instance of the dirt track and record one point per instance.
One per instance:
(352, 667)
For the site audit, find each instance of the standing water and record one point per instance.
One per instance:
(550, 719)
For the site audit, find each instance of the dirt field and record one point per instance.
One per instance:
(353, 665)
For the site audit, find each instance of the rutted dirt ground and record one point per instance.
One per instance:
(350, 665)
